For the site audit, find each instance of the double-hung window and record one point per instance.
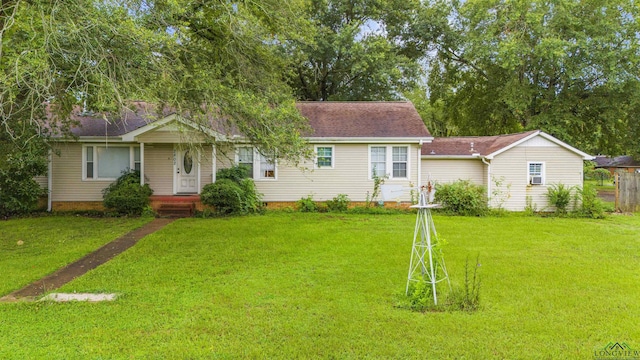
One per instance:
(102, 162)
(378, 161)
(245, 158)
(536, 173)
(400, 161)
(391, 161)
(260, 166)
(324, 157)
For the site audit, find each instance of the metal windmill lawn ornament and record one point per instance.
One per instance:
(426, 264)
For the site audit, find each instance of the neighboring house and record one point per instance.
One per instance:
(351, 140)
(515, 168)
(624, 163)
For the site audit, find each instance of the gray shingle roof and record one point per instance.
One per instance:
(327, 120)
(461, 145)
(363, 119)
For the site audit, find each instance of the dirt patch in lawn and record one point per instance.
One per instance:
(91, 261)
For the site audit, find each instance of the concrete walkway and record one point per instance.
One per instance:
(90, 261)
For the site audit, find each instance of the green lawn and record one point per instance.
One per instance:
(31, 248)
(325, 286)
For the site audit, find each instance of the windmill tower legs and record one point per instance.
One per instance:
(426, 264)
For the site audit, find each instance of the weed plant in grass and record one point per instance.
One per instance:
(31, 248)
(292, 285)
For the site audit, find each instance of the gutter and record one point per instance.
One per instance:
(419, 163)
(49, 181)
(488, 178)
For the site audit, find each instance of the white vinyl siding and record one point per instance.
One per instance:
(443, 171)
(158, 168)
(67, 175)
(350, 175)
(512, 167)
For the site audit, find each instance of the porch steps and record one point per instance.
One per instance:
(176, 209)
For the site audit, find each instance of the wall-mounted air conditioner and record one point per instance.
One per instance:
(536, 180)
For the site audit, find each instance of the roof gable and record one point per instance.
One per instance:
(491, 146)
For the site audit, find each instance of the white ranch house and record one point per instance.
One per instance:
(351, 140)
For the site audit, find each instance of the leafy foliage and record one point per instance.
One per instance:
(224, 195)
(232, 193)
(198, 58)
(340, 203)
(126, 196)
(590, 205)
(235, 173)
(307, 204)
(462, 198)
(19, 192)
(566, 67)
(346, 58)
(559, 195)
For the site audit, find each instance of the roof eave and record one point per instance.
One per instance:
(451, 157)
(584, 155)
(369, 140)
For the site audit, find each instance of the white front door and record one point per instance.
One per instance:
(186, 169)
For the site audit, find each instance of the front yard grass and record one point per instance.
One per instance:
(325, 286)
(32, 248)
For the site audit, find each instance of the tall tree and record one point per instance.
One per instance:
(351, 56)
(199, 57)
(567, 67)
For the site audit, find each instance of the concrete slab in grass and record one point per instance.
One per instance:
(65, 297)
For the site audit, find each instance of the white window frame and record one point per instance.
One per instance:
(542, 173)
(389, 161)
(333, 157)
(257, 160)
(132, 161)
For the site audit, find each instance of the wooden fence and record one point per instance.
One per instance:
(627, 192)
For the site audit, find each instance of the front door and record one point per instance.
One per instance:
(186, 172)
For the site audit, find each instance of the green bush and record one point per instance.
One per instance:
(340, 203)
(307, 204)
(224, 195)
(235, 174)
(590, 205)
(462, 198)
(559, 195)
(19, 192)
(252, 200)
(126, 196)
(232, 193)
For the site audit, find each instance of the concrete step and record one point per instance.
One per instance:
(176, 209)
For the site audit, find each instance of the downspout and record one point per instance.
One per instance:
(488, 179)
(419, 164)
(142, 164)
(49, 181)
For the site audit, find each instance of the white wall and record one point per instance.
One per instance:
(350, 175)
(560, 166)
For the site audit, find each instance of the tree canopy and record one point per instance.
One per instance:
(567, 67)
(350, 55)
(198, 57)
